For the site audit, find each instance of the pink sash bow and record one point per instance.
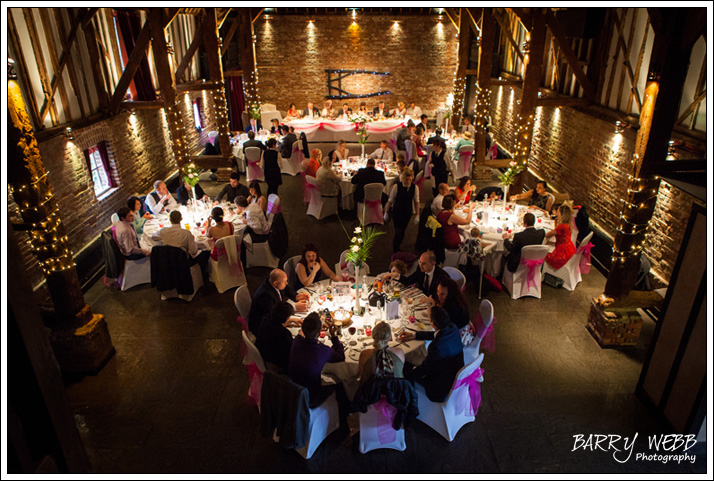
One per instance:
(255, 170)
(273, 209)
(256, 382)
(486, 334)
(393, 145)
(309, 190)
(474, 387)
(465, 158)
(585, 259)
(385, 412)
(530, 280)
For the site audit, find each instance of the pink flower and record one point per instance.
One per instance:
(512, 163)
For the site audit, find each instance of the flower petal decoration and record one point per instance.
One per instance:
(355, 248)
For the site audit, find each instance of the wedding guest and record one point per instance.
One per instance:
(232, 189)
(311, 267)
(327, 110)
(423, 121)
(134, 205)
(312, 163)
(286, 145)
(177, 236)
(439, 171)
(272, 291)
(436, 137)
(304, 146)
(564, 247)
(450, 222)
(383, 152)
(437, 203)
(272, 167)
(160, 201)
(400, 112)
(413, 111)
(126, 237)
(183, 193)
(380, 111)
(380, 361)
(464, 190)
(467, 127)
(403, 201)
(327, 179)
(276, 128)
(529, 236)
(341, 150)
(367, 175)
(540, 198)
(254, 126)
(344, 112)
(293, 113)
(449, 297)
(273, 338)
(252, 142)
(220, 229)
(404, 134)
(256, 196)
(310, 112)
(465, 140)
(363, 109)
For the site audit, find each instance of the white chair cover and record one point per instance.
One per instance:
(289, 268)
(471, 351)
(196, 276)
(369, 432)
(570, 272)
(253, 156)
(258, 254)
(136, 272)
(427, 167)
(256, 378)
(320, 207)
(411, 153)
(517, 282)
(371, 209)
(227, 271)
(324, 419)
(457, 276)
(114, 218)
(453, 258)
(274, 207)
(293, 165)
(463, 162)
(243, 302)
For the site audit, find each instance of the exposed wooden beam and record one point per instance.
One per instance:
(132, 65)
(700, 88)
(91, 38)
(570, 57)
(672, 166)
(170, 15)
(142, 105)
(66, 56)
(232, 73)
(57, 68)
(691, 107)
(215, 69)
(230, 34)
(620, 27)
(563, 102)
(188, 56)
(485, 61)
(506, 82)
(634, 93)
(522, 16)
(598, 62)
(257, 16)
(210, 161)
(473, 25)
(46, 134)
(87, 17)
(194, 86)
(451, 13)
(507, 33)
(41, 67)
(621, 45)
(224, 17)
(22, 68)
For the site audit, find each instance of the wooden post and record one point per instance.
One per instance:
(483, 95)
(668, 69)
(460, 75)
(167, 84)
(247, 58)
(80, 338)
(529, 95)
(215, 69)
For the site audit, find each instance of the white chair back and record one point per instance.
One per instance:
(273, 207)
(227, 271)
(457, 276)
(373, 191)
(255, 172)
(472, 350)
(254, 353)
(461, 170)
(253, 153)
(411, 152)
(243, 301)
(517, 282)
(587, 239)
(114, 218)
(534, 252)
(371, 215)
(289, 268)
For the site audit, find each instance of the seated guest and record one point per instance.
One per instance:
(414, 112)
(311, 267)
(450, 221)
(418, 138)
(449, 297)
(304, 146)
(341, 151)
(251, 142)
(312, 163)
(126, 237)
(177, 236)
(271, 166)
(380, 110)
(381, 361)
(540, 198)
(363, 109)
(465, 190)
(286, 145)
(396, 267)
(439, 171)
(212, 147)
(134, 205)
(220, 229)
(465, 140)
(564, 247)
(328, 181)
(444, 356)
(256, 196)
(276, 128)
(327, 111)
(423, 121)
(383, 152)
(467, 127)
(437, 203)
(488, 193)
(401, 165)
(344, 112)
(310, 112)
(160, 201)
(232, 189)
(254, 126)
(529, 236)
(404, 134)
(308, 357)
(426, 277)
(367, 175)
(436, 137)
(183, 193)
(293, 113)
(254, 217)
(273, 338)
(400, 112)
(271, 292)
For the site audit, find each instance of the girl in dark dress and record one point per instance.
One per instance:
(403, 200)
(271, 167)
(311, 267)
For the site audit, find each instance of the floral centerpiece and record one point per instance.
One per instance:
(361, 244)
(254, 111)
(360, 122)
(508, 177)
(190, 176)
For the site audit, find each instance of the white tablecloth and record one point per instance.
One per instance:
(348, 168)
(321, 130)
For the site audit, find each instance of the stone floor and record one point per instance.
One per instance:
(173, 397)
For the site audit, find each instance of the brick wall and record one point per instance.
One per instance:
(139, 148)
(419, 53)
(581, 154)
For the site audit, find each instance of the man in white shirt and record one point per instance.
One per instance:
(254, 217)
(413, 111)
(424, 120)
(160, 200)
(467, 127)
(126, 237)
(383, 152)
(436, 204)
(177, 236)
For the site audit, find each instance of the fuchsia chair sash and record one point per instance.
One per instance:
(486, 334)
(255, 170)
(531, 265)
(309, 189)
(474, 387)
(393, 146)
(256, 382)
(585, 259)
(386, 412)
(273, 209)
(465, 158)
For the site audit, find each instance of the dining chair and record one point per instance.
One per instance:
(373, 429)
(254, 156)
(457, 276)
(449, 417)
(480, 326)
(256, 370)
(259, 254)
(293, 164)
(164, 262)
(570, 272)
(227, 271)
(463, 162)
(370, 211)
(526, 280)
(274, 207)
(319, 207)
(289, 268)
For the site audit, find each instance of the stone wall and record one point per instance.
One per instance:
(139, 147)
(580, 153)
(419, 52)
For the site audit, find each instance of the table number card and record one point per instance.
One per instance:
(392, 309)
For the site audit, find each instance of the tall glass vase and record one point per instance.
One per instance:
(358, 308)
(505, 196)
(362, 144)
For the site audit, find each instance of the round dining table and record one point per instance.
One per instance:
(348, 168)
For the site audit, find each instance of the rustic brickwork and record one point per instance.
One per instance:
(581, 154)
(419, 52)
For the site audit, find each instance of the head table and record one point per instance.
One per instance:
(326, 130)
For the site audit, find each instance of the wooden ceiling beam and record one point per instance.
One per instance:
(570, 56)
(700, 98)
(66, 56)
(507, 32)
(259, 14)
(451, 13)
(49, 104)
(230, 34)
(22, 69)
(473, 24)
(132, 65)
(522, 16)
(188, 56)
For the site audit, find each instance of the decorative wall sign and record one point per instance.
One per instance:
(343, 73)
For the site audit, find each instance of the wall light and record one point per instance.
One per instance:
(620, 127)
(671, 151)
(68, 133)
(11, 74)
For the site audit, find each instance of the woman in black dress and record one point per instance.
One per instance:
(403, 200)
(303, 145)
(271, 167)
(438, 165)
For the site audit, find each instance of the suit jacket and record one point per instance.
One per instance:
(253, 143)
(418, 279)
(384, 113)
(431, 139)
(250, 127)
(530, 236)
(286, 146)
(438, 168)
(444, 359)
(182, 194)
(367, 175)
(266, 297)
(306, 112)
(282, 130)
(403, 135)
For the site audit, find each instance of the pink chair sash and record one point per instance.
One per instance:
(255, 170)
(385, 412)
(531, 265)
(465, 158)
(233, 269)
(486, 334)
(273, 209)
(585, 259)
(256, 382)
(244, 325)
(309, 189)
(474, 386)
(393, 146)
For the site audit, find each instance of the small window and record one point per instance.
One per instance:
(197, 117)
(97, 159)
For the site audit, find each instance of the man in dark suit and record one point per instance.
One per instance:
(444, 356)
(380, 110)
(424, 120)
(404, 134)
(437, 135)
(368, 175)
(310, 111)
(251, 142)
(286, 145)
(344, 110)
(270, 293)
(529, 236)
(254, 126)
(427, 276)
